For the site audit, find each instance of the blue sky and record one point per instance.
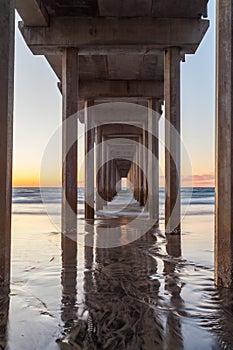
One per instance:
(38, 109)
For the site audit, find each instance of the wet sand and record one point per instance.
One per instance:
(155, 293)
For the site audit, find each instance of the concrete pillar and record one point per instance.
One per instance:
(89, 160)
(172, 140)
(114, 176)
(130, 178)
(69, 168)
(153, 161)
(107, 174)
(104, 169)
(118, 180)
(7, 21)
(224, 146)
(145, 164)
(99, 174)
(134, 178)
(141, 174)
(138, 173)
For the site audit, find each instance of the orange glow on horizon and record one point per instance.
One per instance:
(33, 180)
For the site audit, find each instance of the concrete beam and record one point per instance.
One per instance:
(120, 88)
(121, 130)
(97, 33)
(224, 146)
(7, 22)
(127, 90)
(33, 12)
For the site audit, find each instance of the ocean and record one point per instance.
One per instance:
(156, 292)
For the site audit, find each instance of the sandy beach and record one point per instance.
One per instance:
(157, 292)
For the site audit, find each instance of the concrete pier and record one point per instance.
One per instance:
(172, 140)
(7, 23)
(97, 58)
(224, 146)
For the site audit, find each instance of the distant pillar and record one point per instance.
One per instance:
(104, 169)
(134, 177)
(172, 139)
(114, 176)
(130, 178)
(89, 160)
(138, 172)
(224, 146)
(108, 174)
(99, 200)
(7, 23)
(153, 161)
(141, 176)
(118, 181)
(69, 155)
(145, 164)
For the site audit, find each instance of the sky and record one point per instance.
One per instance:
(37, 113)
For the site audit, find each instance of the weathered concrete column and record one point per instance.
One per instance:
(112, 181)
(130, 178)
(134, 178)
(114, 176)
(107, 178)
(141, 176)
(224, 146)
(89, 160)
(153, 161)
(69, 156)
(138, 174)
(145, 164)
(118, 181)
(7, 22)
(172, 140)
(99, 174)
(104, 157)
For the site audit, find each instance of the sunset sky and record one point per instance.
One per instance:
(38, 113)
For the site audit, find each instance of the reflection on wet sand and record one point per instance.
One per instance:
(4, 310)
(68, 279)
(122, 302)
(173, 286)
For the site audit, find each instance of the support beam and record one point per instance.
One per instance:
(69, 139)
(7, 21)
(120, 88)
(172, 139)
(89, 160)
(33, 12)
(96, 35)
(224, 146)
(153, 162)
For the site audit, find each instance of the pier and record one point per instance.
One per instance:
(118, 65)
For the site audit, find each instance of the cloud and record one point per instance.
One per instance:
(204, 180)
